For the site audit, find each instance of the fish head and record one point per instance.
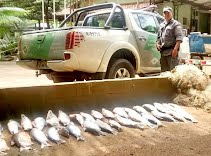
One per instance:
(23, 116)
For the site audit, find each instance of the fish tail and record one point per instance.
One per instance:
(102, 133)
(45, 145)
(114, 132)
(153, 126)
(80, 138)
(62, 141)
(2, 153)
(140, 126)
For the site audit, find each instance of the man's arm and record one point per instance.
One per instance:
(179, 38)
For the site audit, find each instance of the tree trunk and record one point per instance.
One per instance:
(47, 14)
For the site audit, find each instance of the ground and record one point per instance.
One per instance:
(173, 139)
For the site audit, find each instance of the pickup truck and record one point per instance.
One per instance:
(105, 42)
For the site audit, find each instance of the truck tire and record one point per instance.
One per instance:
(49, 76)
(120, 68)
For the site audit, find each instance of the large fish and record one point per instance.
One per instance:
(52, 119)
(80, 119)
(182, 112)
(3, 147)
(107, 113)
(163, 116)
(147, 115)
(92, 127)
(13, 126)
(121, 112)
(106, 127)
(160, 107)
(96, 114)
(40, 137)
(127, 122)
(115, 124)
(26, 123)
(75, 131)
(64, 118)
(170, 110)
(22, 140)
(54, 135)
(39, 123)
(137, 117)
(87, 116)
(149, 107)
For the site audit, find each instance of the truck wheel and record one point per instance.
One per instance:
(49, 76)
(119, 69)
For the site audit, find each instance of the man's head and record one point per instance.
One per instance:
(168, 13)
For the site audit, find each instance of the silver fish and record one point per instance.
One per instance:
(64, 118)
(54, 135)
(160, 107)
(52, 119)
(182, 112)
(149, 107)
(147, 115)
(75, 131)
(137, 117)
(39, 123)
(22, 140)
(80, 119)
(115, 124)
(128, 122)
(26, 123)
(107, 113)
(121, 112)
(3, 147)
(13, 126)
(87, 116)
(92, 127)
(96, 114)
(40, 137)
(106, 127)
(165, 116)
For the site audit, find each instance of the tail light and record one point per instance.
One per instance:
(203, 62)
(73, 39)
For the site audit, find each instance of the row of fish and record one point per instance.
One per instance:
(98, 123)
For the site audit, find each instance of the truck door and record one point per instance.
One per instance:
(146, 36)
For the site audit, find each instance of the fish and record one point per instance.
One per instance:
(64, 118)
(13, 126)
(149, 107)
(163, 116)
(121, 112)
(40, 137)
(26, 123)
(92, 127)
(80, 119)
(96, 114)
(52, 119)
(106, 127)
(54, 135)
(115, 124)
(107, 113)
(22, 140)
(138, 118)
(160, 107)
(87, 116)
(3, 147)
(140, 109)
(128, 122)
(185, 114)
(39, 123)
(75, 131)
(64, 132)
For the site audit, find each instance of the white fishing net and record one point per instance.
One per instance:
(192, 85)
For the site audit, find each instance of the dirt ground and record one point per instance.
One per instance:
(175, 139)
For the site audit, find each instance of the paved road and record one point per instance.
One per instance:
(12, 75)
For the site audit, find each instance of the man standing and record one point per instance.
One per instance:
(168, 41)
